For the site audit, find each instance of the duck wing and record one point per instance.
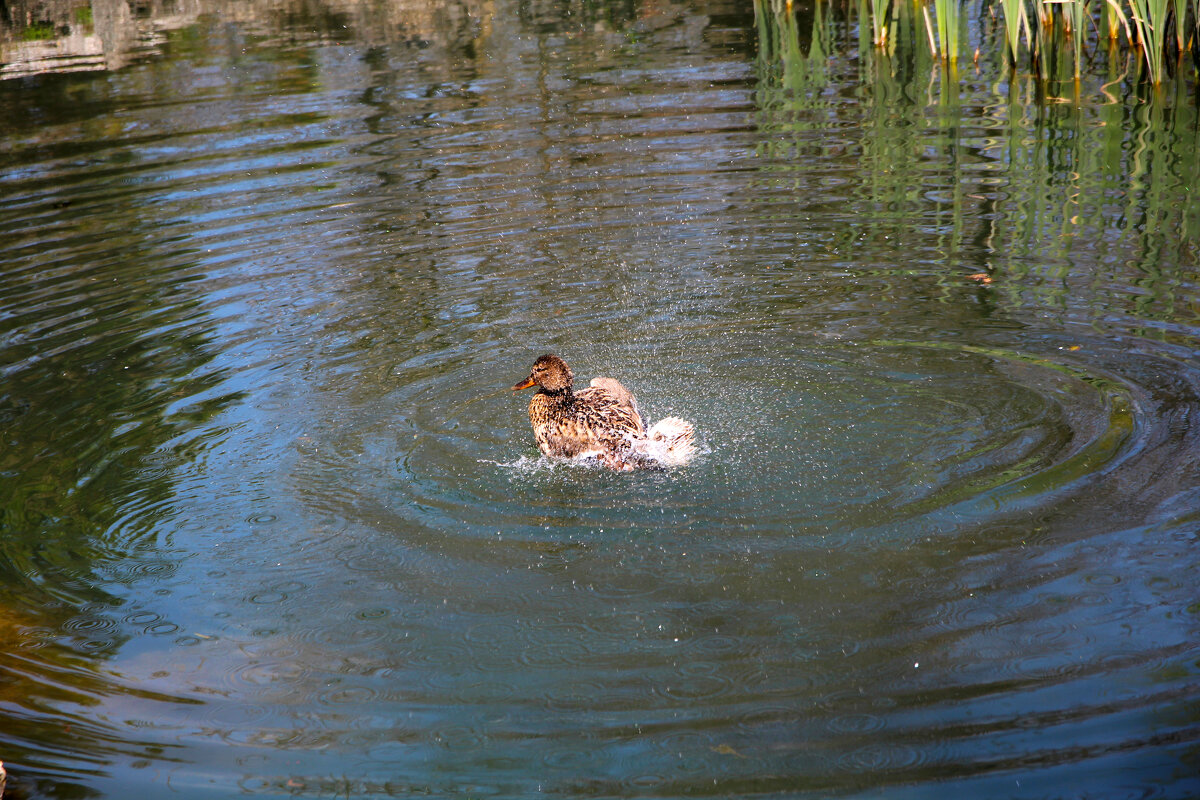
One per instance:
(607, 404)
(609, 410)
(615, 388)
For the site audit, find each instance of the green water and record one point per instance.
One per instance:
(269, 524)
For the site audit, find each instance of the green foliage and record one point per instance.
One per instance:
(879, 16)
(1150, 21)
(948, 25)
(1078, 14)
(1158, 29)
(39, 32)
(1015, 21)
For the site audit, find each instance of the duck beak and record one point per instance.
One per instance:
(525, 384)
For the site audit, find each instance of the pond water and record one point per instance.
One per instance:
(271, 523)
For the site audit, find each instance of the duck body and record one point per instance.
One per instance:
(568, 424)
(601, 421)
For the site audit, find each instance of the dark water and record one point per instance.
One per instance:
(267, 526)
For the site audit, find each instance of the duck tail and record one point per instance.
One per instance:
(673, 440)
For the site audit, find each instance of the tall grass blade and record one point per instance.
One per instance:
(1044, 27)
(1077, 11)
(1149, 20)
(1180, 24)
(1040, 42)
(948, 16)
(879, 29)
(933, 47)
(1080, 13)
(1115, 15)
(1014, 20)
(1073, 13)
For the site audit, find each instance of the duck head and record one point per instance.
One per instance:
(550, 373)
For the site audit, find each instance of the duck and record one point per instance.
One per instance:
(601, 421)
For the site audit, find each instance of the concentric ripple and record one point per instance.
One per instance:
(951, 432)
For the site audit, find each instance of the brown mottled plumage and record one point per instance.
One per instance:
(602, 420)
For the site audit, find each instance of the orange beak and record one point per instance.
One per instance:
(525, 384)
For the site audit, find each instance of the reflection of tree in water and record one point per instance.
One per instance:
(91, 441)
(67, 35)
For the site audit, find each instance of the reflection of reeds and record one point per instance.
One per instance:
(790, 79)
(1055, 201)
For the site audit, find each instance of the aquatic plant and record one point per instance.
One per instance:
(948, 25)
(1076, 13)
(1015, 21)
(1057, 34)
(1150, 20)
(879, 15)
(1082, 171)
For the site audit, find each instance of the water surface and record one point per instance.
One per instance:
(269, 526)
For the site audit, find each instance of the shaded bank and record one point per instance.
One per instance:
(1050, 40)
(73, 35)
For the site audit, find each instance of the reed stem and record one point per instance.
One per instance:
(1045, 28)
